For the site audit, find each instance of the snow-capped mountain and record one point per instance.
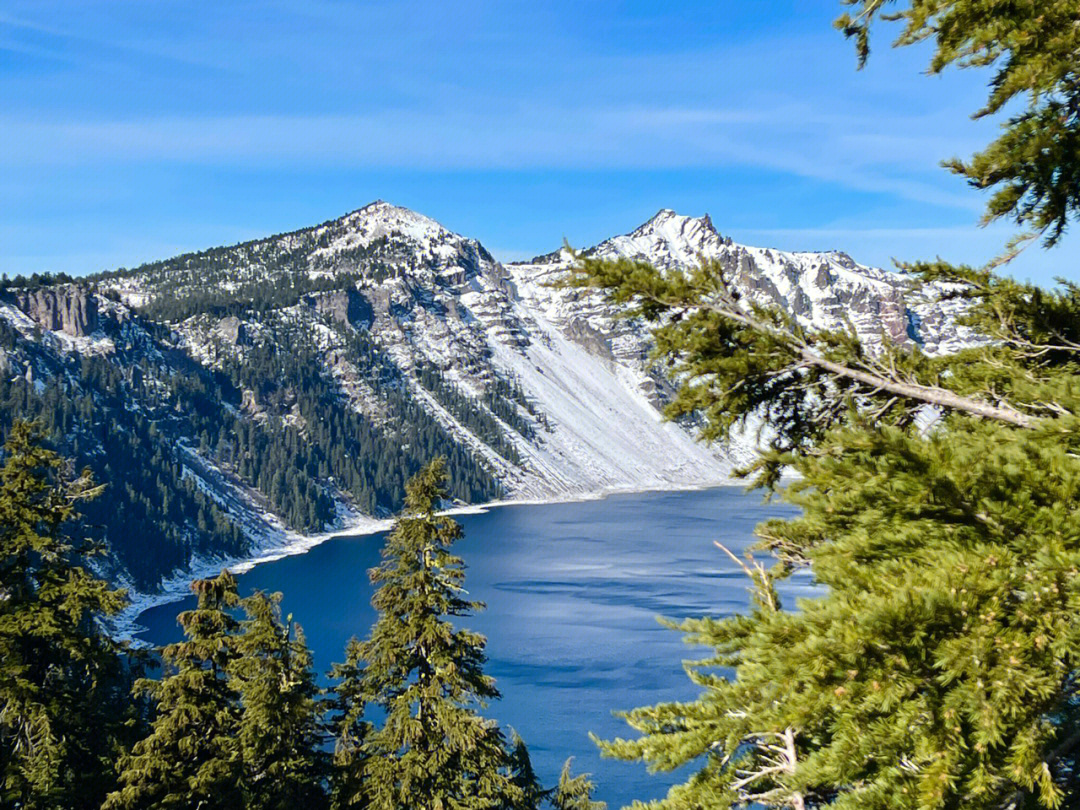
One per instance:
(302, 377)
(823, 290)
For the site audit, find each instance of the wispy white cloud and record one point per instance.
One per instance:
(98, 50)
(123, 116)
(826, 148)
(956, 232)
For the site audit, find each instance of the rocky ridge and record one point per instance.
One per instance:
(69, 308)
(387, 315)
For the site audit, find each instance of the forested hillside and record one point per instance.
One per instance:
(190, 455)
(238, 717)
(293, 384)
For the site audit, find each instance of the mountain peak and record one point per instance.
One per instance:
(381, 218)
(387, 211)
(668, 238)
(409, 231)
(668, 221)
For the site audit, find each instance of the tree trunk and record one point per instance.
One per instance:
(797, 801)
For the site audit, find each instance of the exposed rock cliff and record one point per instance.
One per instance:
(68, 308)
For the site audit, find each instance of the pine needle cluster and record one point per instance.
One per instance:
(63, 680)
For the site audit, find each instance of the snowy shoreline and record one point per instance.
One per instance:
(285, 543)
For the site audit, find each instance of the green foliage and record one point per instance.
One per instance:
(520, 767)
(258, 276)
(190, 757)
(236, 721)
(433, 749)
(938, 671)
(237, 717)
(349, 728)
(62, 679)
(503, 397)
(574, 792)
(184, 424)
(473, 416)
(33, 281)
(279, 732)
(741, 364)
(939, 668)
(290, 459)
(86, 408)
(147, 428)
(1033, 47)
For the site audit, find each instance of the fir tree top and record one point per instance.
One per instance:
(433, 750)
(189, 759)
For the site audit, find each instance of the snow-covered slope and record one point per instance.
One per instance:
(430, 297)
(600, 430)
(825, 290)
(251, 365)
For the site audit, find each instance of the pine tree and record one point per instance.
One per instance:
(747, 742)
(279, 732)
(433, 750)
(574, 792)
(940, 667)
(190, 759)
(62, 679)
(350, 729)
(524, 777)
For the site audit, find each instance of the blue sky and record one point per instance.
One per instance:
(137, 129)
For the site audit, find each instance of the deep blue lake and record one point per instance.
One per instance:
(573, 592)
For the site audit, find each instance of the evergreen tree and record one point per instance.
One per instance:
(433, 750)
(190, 759)
(574, 792)
(62, 679)
(279, 731)
(520, 766)
(747, 740)
(350, 729)
(939, 669)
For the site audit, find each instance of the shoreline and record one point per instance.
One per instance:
(125, 626)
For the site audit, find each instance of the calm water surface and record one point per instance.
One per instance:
(573, 592)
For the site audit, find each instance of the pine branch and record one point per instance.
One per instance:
(710, 291)
(1013, 802)
(885, 381)
(763, 586)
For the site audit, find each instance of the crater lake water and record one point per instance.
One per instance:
(573, 592)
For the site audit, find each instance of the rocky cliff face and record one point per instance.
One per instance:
(70, 308)
(344, 306)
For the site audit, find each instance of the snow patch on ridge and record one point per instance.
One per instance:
(430, 297)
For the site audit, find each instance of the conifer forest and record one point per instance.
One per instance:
(182, 412)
